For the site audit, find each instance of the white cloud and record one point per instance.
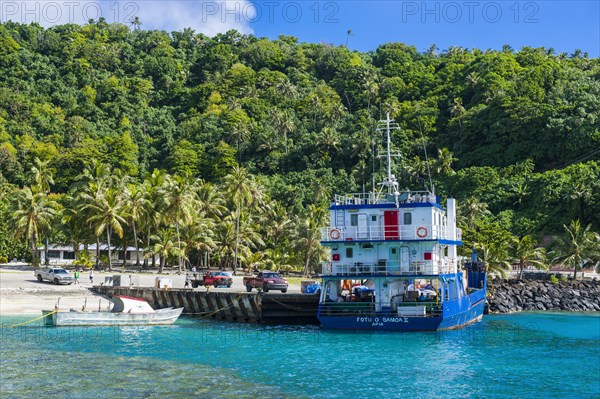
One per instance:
(208, 17)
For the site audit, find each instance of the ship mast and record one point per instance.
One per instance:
(390, 182)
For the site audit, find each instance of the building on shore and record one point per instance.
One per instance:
(65, 254)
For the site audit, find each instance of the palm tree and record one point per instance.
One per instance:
(181, 201)
(443, 164)
(73, 223)
(31, 213)
(155, 188)
(42, 179)
(279, 227)
(470, 211)
(199, 234)
(329, 141)
(472, 79)
(107, 214)
(578, 247)
(164, 246)
(495, 257)
(579, 194)
(526, 253)
(237, 238)
(42, 176)
(136, 205)
(287, 89)
(308, 236)
(135, 23)
(457, 111)
(244, 192)
(283, 121)
(90, 188)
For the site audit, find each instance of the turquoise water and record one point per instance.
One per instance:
(545, 355)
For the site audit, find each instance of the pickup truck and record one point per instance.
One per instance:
(266, 280)
(216, 279)
(55, 275)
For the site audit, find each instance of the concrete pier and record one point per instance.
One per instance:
(251, 307)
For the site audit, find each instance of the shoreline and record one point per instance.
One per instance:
(21, 294)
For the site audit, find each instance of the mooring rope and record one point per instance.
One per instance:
(216, 311)
(37, 318)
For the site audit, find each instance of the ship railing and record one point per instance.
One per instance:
(403, 309)
(393, 233)
(383, 268)
(384, 198)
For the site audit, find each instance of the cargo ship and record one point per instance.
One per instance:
(393, 261)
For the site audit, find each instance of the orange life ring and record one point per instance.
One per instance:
(335, 234)
(422, 232)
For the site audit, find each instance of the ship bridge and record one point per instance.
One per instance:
(407, 233)
(386, 217)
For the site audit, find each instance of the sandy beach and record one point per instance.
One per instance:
(22, 294)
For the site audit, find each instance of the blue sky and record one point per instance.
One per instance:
(562, 25)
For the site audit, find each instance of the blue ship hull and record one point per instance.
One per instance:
(454, 314)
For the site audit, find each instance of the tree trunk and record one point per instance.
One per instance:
(575, 272)
(46, 260)
(137, 248)
(237, 237)
(34, 260)
(521, 271)
(179, 246)
(97, 252)
(161, 264)
(109, 250)
(307, 264)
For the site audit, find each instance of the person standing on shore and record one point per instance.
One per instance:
(76, 276)
(92, 276)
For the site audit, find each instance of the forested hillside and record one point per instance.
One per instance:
(514, 135)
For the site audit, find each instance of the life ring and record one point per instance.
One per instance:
(422, 232)
(335, 234)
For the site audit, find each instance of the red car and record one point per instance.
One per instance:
(217, 279)
(267, 280)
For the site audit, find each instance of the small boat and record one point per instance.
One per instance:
(126, 311)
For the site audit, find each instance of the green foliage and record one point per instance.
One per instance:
(512, 135)
(553, 279)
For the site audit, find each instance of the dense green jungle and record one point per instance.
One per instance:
(226, 150)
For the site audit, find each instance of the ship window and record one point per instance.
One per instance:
(407, 218)
(353, 220)
(394, 251)
(373, 218)
(348, 252)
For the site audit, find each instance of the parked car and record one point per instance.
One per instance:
(266, 280)
(217, 279)
(55, 275)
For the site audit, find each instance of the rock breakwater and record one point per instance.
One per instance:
(505, 296)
